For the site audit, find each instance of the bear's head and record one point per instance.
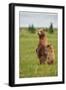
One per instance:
(41, 34)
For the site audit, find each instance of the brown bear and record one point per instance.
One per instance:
(51, 54)
(42, 49)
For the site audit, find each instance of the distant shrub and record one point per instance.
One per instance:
(32, 29)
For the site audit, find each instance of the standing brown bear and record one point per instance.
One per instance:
(42, 49)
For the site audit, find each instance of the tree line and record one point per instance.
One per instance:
(32, 29)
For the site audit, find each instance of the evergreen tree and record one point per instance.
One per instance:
(51, 28)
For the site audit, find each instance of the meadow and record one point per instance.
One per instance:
(28, 61)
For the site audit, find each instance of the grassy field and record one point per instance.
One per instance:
(28, 61)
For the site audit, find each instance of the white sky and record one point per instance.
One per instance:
(38, 19)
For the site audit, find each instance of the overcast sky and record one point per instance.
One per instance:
(38, 19)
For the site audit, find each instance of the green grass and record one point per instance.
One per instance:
(28, 61)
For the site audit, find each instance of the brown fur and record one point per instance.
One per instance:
(42, 38)
(51, 54)
(42, 49)
(45, 51)
(42, 54)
